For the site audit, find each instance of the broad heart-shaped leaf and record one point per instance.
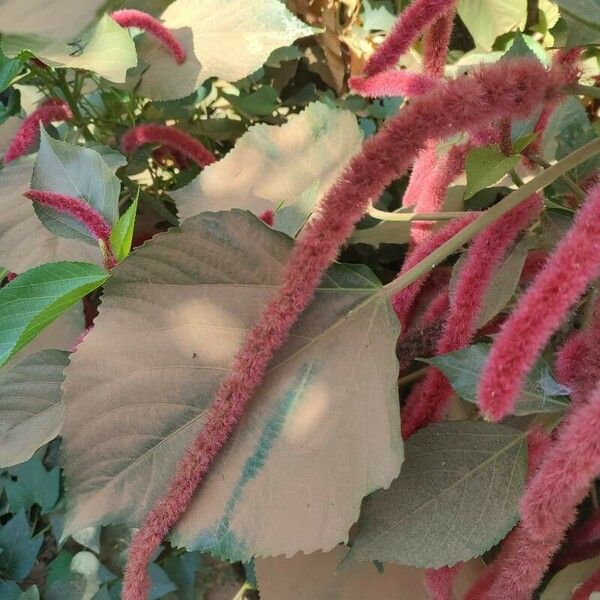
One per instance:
(34, 485)
(586, 10)
(40, 296)
(486, 166)
(463, 368)
(18, 551)
(224, 38)
(317, 577)
(321, 433)
(61, 19)
(292, 164)
(487, 19)
(30, 408)
(456, 497)
(78, 172)
(106, 49)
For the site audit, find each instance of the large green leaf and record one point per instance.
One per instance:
(291, 165)
(487, 19)
(318, 577)
(485, 166)
(586, 10)
(60, 19)
(107, 49)
(78, 172)
(309, 448)
(456, 497)
(224, 38)
(34, 485)
(18, 551)
(30, 408)
(541, 394)
(36, 298)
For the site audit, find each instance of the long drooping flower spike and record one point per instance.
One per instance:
(79, 210)
(51, 110)
(404, 300)
(513, 89)
(508, 575)
(578, 361)
(394, 83)
(429, 399)
(181, 141)
(540, 311)
(440, 582)
(129, 17)
(419, 15)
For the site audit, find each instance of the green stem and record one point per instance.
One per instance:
(583, 90)
(538, 160)
(409, 217)
(493, 214)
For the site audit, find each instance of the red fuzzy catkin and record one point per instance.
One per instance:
(512, 88)
(51, 110)
(419, 15)
(578, 361)
(181, 141)
(93, 221)
(393, 83)
(141, 20)
(439, 582)
(429, 399)
(568, 272)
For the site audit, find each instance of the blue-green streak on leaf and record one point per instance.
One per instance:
(121, 236)
(18, 551)
(541, 394)
(220, 541)
(36, 298)
(34, 485)
(78, 172)
(456, 497)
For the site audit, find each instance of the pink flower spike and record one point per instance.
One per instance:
(419, 15)
(440, 582)
(436, 42)
(471, 101)
(429, 399)
(394, 83)
(268, 217)
(540, 311)
(142, 20)
(171, 136)
(51, 110)
(93, 221)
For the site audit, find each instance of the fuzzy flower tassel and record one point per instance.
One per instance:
(93, 221)
(429, 400)
(393, 83)
(419, 15)
(129, 17)
(540, 311)
(51, 110)
(509, 88)
(172, 137)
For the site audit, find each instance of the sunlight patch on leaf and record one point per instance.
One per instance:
(291, 165)
(309, 448)
(222, 38)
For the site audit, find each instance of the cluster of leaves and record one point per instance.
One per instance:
(264, 88)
